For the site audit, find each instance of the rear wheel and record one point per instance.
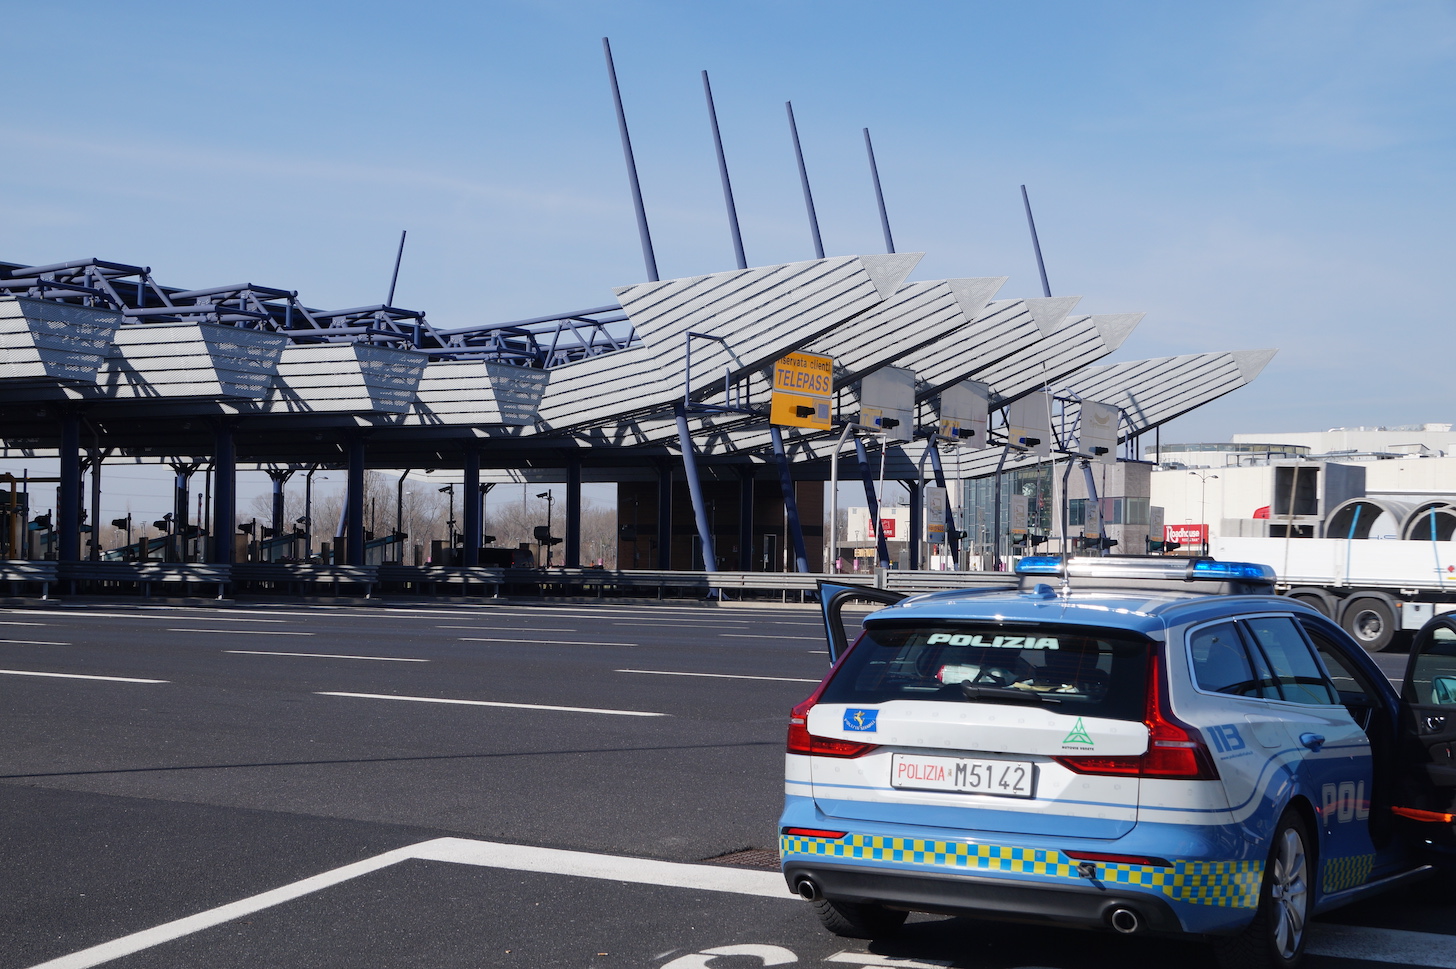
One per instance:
(1275, 938)
(1371, 621)
(858, 920)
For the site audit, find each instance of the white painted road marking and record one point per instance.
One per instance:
(242, 632)
(459, 851)
(81, 676)
(270, 652)
(723, 676)
(538, 642)
(85, 614)
(1382, 945)
(515, 629)
(767, 955)
(30, 642)
(6, 622)
(493, 703)
(869, 959)
(780, 636)
(1350, 942)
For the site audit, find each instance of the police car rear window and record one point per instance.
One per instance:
(1083, 671)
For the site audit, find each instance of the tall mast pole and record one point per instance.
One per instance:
(1046, 288)
(723, 174)
(647, 255)
(879, 193)
(804, 180)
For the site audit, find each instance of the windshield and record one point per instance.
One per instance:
(1084, 671)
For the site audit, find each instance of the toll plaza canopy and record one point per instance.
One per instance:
(669, 382)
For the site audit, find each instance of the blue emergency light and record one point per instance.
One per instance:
(1156, 567)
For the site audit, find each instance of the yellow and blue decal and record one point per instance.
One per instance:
(864, 721)
(1230, 884)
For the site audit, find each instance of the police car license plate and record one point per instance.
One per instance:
(965, 775)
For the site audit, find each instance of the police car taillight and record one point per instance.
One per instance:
(1175, 750)
(801, 741)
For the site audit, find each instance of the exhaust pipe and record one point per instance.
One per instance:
(807, 889)
(1125, 920)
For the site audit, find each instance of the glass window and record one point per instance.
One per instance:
(1297, 671)
(1138, 511)
(1112, 511)
(1434, 675)
(1220, 662)
(1077, 511)
(1353, 686)
(1077, 670)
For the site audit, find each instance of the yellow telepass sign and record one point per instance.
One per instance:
(803, 385)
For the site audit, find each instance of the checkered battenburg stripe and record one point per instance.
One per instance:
(1232, 884)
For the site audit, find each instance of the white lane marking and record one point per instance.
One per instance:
(538, 642)
(79, 614)
(1382, 945)
(868, 959)
(6, 622)
(767, 955)
(515, 629)
(682, 625)
(271, 652)
(722, 676)
(30, 642)
(460, 851)
(81, 676)
(780, 636)
(494, 703)
(242, 632)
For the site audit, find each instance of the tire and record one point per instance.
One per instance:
(1370, 621)
(858, 920)
(1322, 603)
(1275, 939)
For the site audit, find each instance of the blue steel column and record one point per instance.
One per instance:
(354, 527)
(917, 530)
(868, 474)
(664, 516)
(573, 513)
(471, 502)
(745, 519)
(695, 491)
(648, 256)
(224, 495)
(68, 510)
(791, 507)
(952, 537)
(804, 181)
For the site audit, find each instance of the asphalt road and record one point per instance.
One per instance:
(564, 811)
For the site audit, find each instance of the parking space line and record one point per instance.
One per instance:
(539, 642)
(243, 632)
(273, 652)
(81, 676)
(722, 676)
(460, 851)
(494, 703)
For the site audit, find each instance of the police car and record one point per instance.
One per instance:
(1136, 745)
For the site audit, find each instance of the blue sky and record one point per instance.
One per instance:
(1249, 174)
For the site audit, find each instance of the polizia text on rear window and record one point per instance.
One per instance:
(1079, 670)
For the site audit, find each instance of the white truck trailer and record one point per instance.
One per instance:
(1372, 588)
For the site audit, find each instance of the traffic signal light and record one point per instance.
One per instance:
(42, 522)
(544, 536)
(122, 523)
(1103, 543)
(1161, 547)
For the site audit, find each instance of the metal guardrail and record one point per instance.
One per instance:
(299, 578)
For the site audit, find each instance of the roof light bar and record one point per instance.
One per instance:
(1152, 567)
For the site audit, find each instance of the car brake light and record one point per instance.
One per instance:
(813, 833)
(1416, 814)
(1119, 859)
(1174, 748)
(801, 741)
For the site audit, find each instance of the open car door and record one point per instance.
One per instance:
(833, 597)
(1428, 694)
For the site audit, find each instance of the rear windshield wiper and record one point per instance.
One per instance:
(973, 691)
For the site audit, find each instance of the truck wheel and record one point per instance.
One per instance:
(1371, 621)
(1275, 938)
(858, 920)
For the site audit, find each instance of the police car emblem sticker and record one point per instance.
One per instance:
(1078, 735)
(862, 720)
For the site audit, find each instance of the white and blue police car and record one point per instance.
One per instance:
(1126, 751)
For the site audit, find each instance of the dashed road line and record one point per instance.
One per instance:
(515, 629)
(243, 632)
(82, 676)
(494, 703)
(273, 652)
(30, 642)
(83, 614)
(6, 622)
(722, 676)
(780, 636)
(539, 642)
